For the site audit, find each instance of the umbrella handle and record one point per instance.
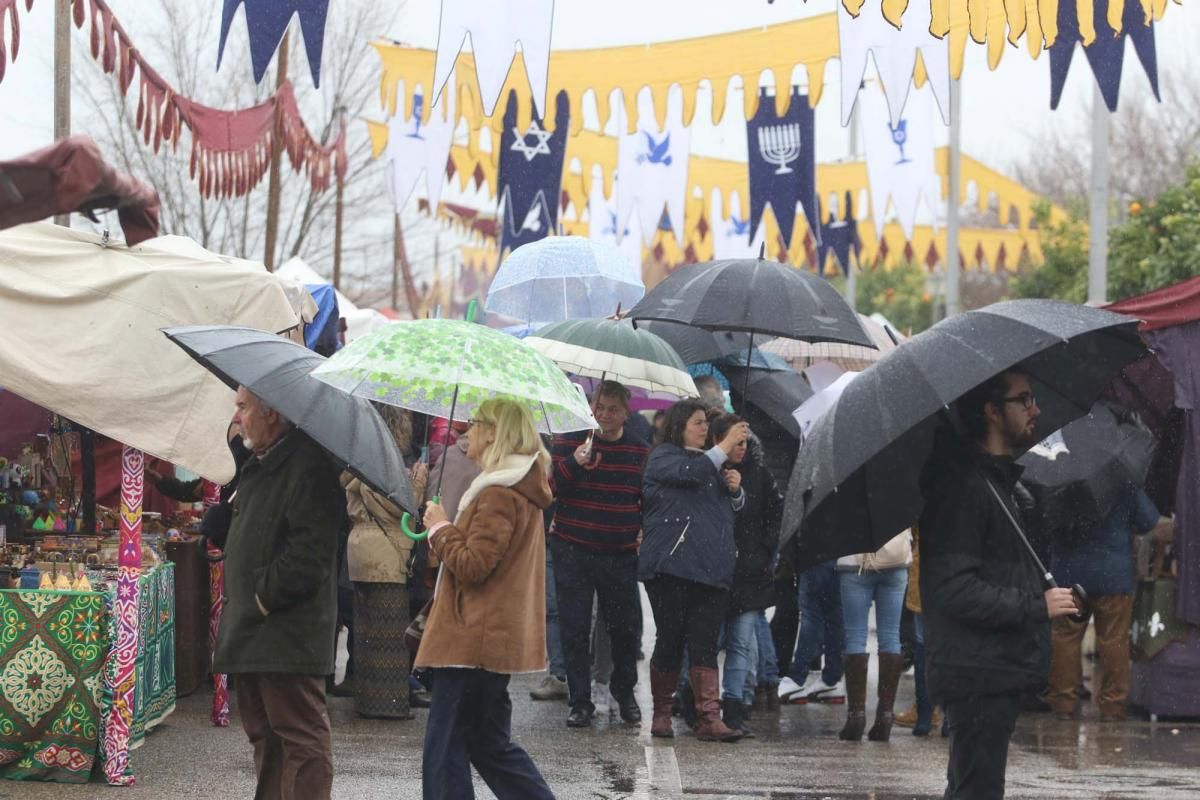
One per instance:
(405, 525)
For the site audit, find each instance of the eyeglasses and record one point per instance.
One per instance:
(1026, 399)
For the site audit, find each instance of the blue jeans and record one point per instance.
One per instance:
(820, 624)
(885, 589)
(768, 663)
(554, 649)
(741, 657)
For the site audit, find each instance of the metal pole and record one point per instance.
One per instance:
(1098, 216)
(273, 187)
(87, 466)
(954, 200)
(337, 236)
(397, 248)
(62, 81)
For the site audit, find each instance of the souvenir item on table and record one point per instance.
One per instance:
(46, 581)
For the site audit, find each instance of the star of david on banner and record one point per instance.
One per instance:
(530, 175)
(783, 164)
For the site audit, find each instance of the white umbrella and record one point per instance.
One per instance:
(815, 407)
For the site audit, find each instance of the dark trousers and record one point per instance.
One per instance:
(821, 624)
(470, 724)
(785, 622)
(688, 615)
(285, 718)
(980, 728)
(580, 574)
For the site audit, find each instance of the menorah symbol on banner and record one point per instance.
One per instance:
(779, 145)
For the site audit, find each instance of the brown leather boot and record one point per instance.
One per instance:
(662, 687)
(890, 667)
(706, 685)
(856, 697)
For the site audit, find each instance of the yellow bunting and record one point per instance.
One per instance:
(1084, 9)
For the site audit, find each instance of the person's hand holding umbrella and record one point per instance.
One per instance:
(434, 513)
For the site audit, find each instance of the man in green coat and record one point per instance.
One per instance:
(277, 629)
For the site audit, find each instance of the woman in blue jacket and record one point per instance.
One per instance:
(687, 560)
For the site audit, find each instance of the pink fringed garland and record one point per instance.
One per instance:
(216, 596)
(231, 150)
(122, 666)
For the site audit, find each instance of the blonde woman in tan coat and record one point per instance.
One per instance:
(489, 615)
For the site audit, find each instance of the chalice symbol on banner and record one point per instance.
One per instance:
(899, 137)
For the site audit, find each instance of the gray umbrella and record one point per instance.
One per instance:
(277, 371)
(858, 477)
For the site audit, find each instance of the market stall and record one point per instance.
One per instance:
(58, 651)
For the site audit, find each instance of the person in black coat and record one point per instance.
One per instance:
(687, 560)
(986, 614)
(756, 534)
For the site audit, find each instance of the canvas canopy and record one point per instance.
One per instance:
(81, 335)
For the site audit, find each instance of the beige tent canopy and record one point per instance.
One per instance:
(80, 335)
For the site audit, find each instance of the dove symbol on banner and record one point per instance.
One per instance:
(653, 166)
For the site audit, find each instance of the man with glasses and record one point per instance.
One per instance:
(986, 613)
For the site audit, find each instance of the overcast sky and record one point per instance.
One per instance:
(1002, 110)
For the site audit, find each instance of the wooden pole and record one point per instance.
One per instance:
(337, 236)
(273, 187)
(62, 80)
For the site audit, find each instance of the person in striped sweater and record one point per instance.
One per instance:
(597, 482)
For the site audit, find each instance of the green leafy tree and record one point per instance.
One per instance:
(901, 294)
(1063, 273)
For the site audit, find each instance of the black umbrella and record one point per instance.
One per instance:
(857, 481)
(277, 371)
(697, 345)
(1088, 466)
(777, 394)
(754, 296)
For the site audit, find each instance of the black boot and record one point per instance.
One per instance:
(734, 715)
(687, 701)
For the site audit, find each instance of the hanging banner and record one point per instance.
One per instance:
(895, 51)
(495, 28)
(732, 236)
(653, 165)
(602, 221)
(267, 21)
(415, 147)
(899, 157)
(530, 175)
(1106, 54)
(839, 236)
(782, 160)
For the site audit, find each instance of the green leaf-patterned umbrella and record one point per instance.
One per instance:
(445, 368)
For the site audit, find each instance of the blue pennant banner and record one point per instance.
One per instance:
(782, 161)
(530, 176)
(267, 21)
(839, 236)
(1106, 54)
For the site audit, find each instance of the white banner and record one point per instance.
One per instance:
(415, 147)
(602, 222)
(731, 234)
(895, 54)
(495, 28)
(899, 156)
(653, 167)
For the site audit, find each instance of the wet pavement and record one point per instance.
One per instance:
(796, 756)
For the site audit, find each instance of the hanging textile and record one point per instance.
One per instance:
(653, 164)
(782, 158)
(602, 223)
(530, 175)
(416, 147)
(994, 21)
(732, 234)
(495, 27)
(1106, 54)
(839, 236)
(895, 52)
(899, 157)
(266, 23)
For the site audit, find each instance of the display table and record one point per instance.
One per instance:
(55, 686)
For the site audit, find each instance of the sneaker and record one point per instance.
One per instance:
(819, 691)
(551, 688)
(788, 690)
(600, 697)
